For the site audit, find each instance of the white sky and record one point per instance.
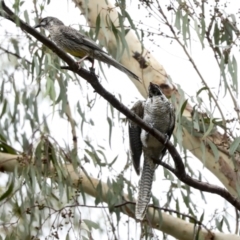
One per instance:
(181, 72)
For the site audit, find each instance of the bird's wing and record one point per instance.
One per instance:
(72, 34)
(80, 45)
(134, 136)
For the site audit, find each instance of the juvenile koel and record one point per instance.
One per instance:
(158, 112)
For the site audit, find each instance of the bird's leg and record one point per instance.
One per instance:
(81, 60)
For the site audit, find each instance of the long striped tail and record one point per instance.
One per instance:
(145, 186)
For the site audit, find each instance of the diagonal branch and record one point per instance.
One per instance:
(171, 225)
(91, 78)
(14, 54)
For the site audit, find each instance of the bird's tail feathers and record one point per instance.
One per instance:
(105, 58)
(145, 186)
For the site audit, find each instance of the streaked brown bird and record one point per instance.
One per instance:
(78, 45)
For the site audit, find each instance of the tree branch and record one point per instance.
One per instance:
(14, 54)
(171, 225)
(191, 61)
(91, 78)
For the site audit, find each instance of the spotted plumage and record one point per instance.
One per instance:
(158, 112)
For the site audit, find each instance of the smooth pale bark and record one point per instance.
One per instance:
(223, 167)
(173, 226)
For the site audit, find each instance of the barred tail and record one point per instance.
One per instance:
(145, 186)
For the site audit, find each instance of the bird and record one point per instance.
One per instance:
(159, 113)
(75, 43)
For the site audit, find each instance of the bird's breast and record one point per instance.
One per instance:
(158, 115)
(69, 46)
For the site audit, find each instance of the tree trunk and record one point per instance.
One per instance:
(150, 70)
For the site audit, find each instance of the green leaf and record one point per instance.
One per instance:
(203, 25)
(235, 74)
(110, 123)
(26, 16)
(113, 161)
(99, 190)
(201, 89)
(214, 150)
(122, 36)
(36, 65)
(185, 29)
(183, 107)
(9, 190)
(4, 108)
(98, 27)
(223, 74)
(50, 89)
(210, 128)
(216, 34)
(201, 38)
(177, 23)
(132, 24)
(228, 34)
(5, 148)
(234, 146)
(227, 223)
(219, 224)
(90, 224)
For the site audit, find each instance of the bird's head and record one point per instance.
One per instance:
(154, 90)
(48, 22)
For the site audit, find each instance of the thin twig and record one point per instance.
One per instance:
(215, 51)
(192, 62)
(92, 79)
(167, 210)
(15, 55)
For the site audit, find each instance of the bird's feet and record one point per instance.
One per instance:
(92, 70)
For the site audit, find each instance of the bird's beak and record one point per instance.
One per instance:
(151, 85)
(37, 26)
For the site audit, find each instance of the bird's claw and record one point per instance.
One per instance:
(92, 70)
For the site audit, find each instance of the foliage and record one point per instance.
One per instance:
(52, 117)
